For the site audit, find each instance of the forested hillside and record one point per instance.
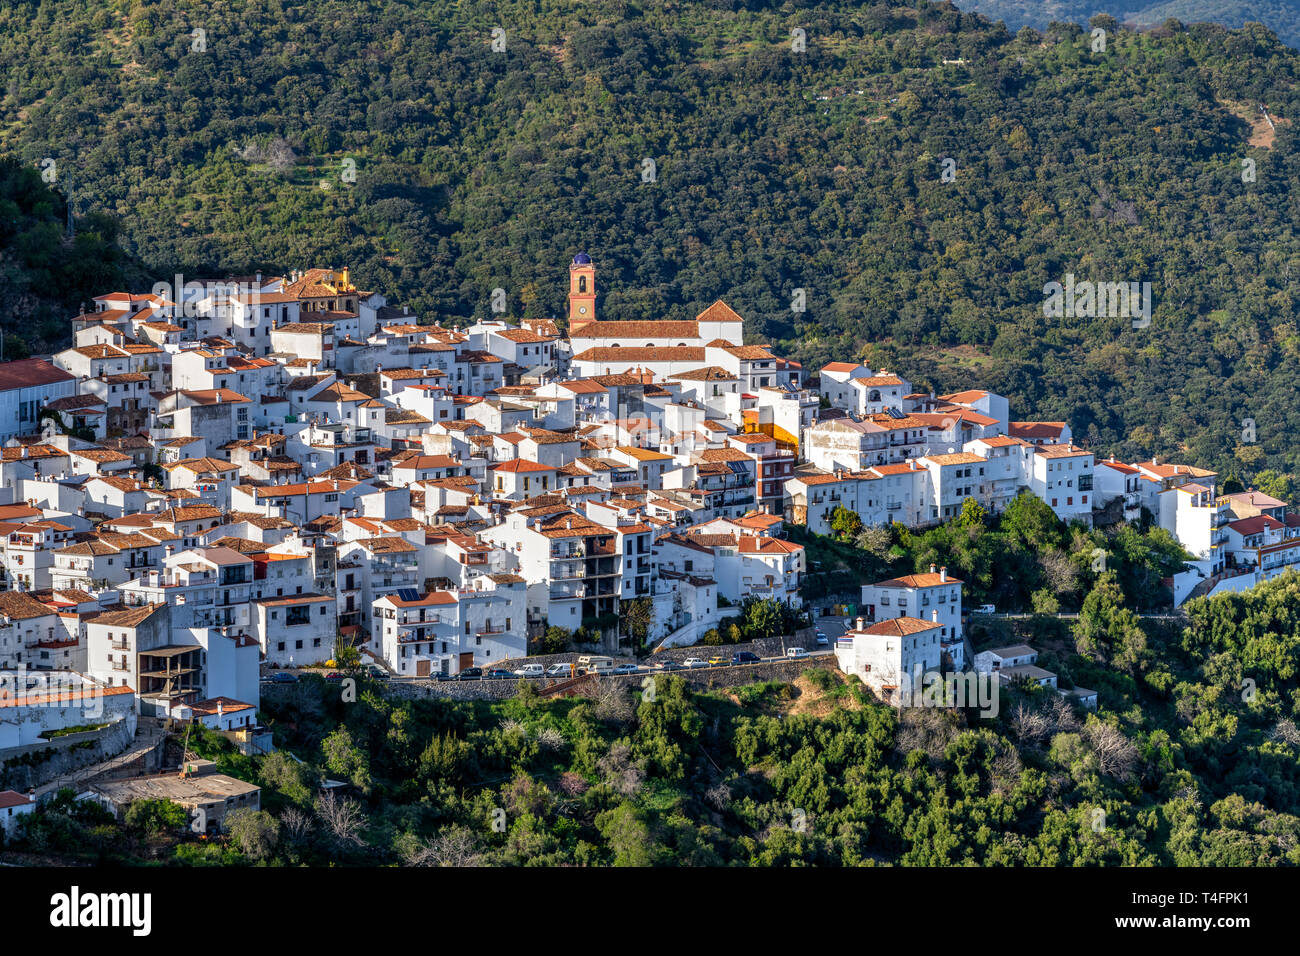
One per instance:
(1280, 16)
(224, 138)
(48, 263)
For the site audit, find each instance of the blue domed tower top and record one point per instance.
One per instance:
(582, 259)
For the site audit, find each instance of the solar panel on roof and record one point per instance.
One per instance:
(408, 594)
(896, 413)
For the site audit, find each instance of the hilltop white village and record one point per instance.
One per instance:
(226, 476)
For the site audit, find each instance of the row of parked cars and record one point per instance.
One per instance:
(587, 664)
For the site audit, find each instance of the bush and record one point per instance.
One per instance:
(154, 817)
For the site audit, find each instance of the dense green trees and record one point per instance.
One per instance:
(1024, 559)
(44, 273)
(1278, 15)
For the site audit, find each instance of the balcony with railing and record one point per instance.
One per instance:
(563, 571)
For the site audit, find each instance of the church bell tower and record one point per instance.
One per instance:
(582, 291)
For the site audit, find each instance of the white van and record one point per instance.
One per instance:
(795, 652)
(530, 670)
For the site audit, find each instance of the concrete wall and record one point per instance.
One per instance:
(20, 772)
(700, 679)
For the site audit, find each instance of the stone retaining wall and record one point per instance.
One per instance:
(697, 679)
(63, 755)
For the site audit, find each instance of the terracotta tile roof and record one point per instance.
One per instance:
(544, 436)
(524, 337)
(120, 615)
(1030, 431)
(20, 606)
(428, 461)
(750, 353)
(583, 386)
(425, 600)
(1173, 471)
(203, 466)
(517, 465)
(32, 451)
(957, 458)
(387, 545)
(74, 402)
(306, 328)
(709, 373)
(757, 544)
(716, 455)
(924, 580)
(101, 456)
(718, 312)
(1060, 451)
(1256, 524)
(214, 396)
(901, 627)
(655, 329)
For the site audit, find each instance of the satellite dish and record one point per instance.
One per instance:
(951, 449)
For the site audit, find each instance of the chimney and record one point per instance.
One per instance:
(932, 569)
(934, 615)
(221, 709)
(862, 624)
(943, 575)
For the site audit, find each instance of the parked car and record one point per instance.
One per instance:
(470, 673)
(694, 662)
(666, 666)
(796, 652)
(625, 669)
(377, 672)
(529, 670)
(560, 670)
(440, 677)
(823, 640)
(986, 609)
(283, 678)
(333, 676)
(744, 657)
(497, 673)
